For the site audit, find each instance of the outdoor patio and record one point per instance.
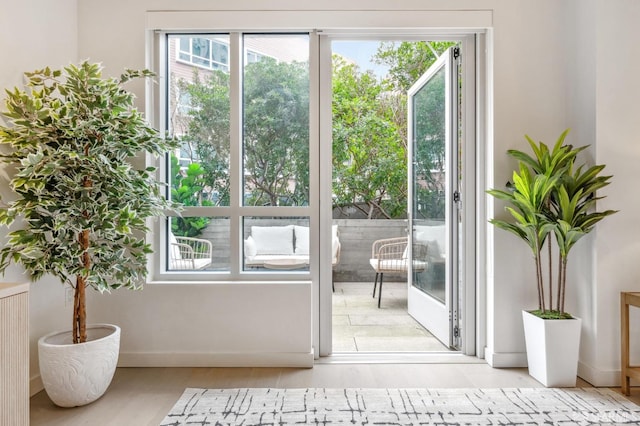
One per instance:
(359, 326)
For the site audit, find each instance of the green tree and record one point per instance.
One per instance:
(187, 188)
(276, 131)
(370, 133)
(408, 60)
(207, 138)
(369, 155)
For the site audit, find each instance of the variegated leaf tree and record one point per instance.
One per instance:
(79, 210)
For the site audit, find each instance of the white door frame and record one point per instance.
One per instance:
(472, 340)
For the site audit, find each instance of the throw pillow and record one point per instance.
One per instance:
(302, 239)
(273, 239)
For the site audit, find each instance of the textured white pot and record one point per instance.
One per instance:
(552, 349)
(77, 374)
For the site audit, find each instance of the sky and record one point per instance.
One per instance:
(361, 52)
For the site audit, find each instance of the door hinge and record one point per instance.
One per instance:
(456, 52)
(456, 196)
(456, 331)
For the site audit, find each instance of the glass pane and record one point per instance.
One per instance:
(185, 43)
(429, 179)
(276, 244)
(199, 114)
(198, 244)
(221, 53)
(201, 47)
(276, 121)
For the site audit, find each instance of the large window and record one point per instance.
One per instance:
(239, 104)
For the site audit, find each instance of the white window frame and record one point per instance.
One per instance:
(237, 211)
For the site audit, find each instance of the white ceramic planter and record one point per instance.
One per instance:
(552, 349)
(77, 374)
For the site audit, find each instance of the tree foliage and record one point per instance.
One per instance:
(276, 132)
(550, 196)
(369, 132)
(369, 156)
(408, 60)
(187, 189)
(84, 207)
(207, 138)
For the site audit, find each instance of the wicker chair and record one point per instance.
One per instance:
(188, 253)
(391, 255)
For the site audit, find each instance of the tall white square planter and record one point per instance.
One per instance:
(552, 349)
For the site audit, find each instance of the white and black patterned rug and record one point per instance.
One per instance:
(527, 406)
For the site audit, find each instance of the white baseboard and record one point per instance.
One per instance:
(592, 375)
(505, 359)
(35, 385)
(600, 378)
(153, 359)
(148, 359)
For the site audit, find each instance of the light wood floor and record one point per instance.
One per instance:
(143, 396)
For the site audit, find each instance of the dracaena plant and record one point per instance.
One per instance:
(79, 209)
(550, 197)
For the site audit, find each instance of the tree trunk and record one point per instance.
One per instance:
(560, 274)
(539, 282)
(564, 282)
(79, 297)
(550, 251)
(79, 311)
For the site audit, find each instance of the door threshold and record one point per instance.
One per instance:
(399, 358)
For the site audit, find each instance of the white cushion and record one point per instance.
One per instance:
(335, 244)
(250, 247)
(396, 265)
(273, 239)
(261, 258)
(302, 239)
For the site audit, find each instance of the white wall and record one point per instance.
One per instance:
(617, 244)
(257, 324)
(587, 60)
(35, 34)
(547, 77)
(602, 111)
(528, 93)
(532, 70)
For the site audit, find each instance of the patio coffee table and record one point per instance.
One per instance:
(285, 264)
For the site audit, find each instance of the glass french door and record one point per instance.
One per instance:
(434, 198)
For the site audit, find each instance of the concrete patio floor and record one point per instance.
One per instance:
(360, 326)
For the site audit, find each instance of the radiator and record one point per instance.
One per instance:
(14, 354)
